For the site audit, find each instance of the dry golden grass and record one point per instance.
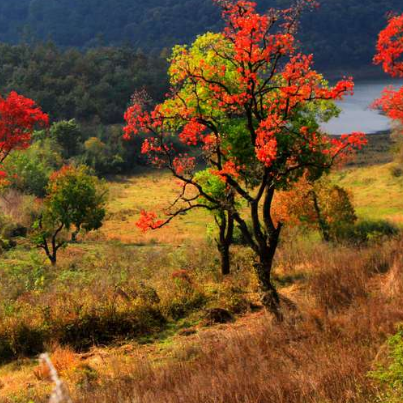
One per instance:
(348, 302)
(64, 360)
(318, 355)
(151, 192)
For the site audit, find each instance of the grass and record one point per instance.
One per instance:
(348, 302)
(376, 192)
(150, 191)
(322, 353)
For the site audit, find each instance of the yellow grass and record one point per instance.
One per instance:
(152, 191)
(377, 193)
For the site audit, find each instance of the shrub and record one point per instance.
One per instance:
(390, 373)
(367, 231)
(29, 171)
(396, 171)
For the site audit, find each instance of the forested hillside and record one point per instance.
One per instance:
(341, 32)
(94, 84)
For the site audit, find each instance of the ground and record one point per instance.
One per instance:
(376, 187)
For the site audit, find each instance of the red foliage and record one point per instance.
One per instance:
(389, 55)
(390, 47)
(148, 220)
(266, 93)
(18, 118)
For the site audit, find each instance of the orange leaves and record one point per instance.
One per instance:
(148, 221)
(341, 147)
(390, 47)
(247, 30)
(389, 55)
(229, 169)
(184, 165)
(192, 133)
(391, 103)
(246, 103)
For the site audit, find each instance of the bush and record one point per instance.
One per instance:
(29, 170)
(367, 231)
(390, 373)
(105, 326)
(396, 171)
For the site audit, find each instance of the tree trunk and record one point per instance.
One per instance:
(268, 293)
(74, 235)
(224, 242)
(323, 225)
(225, 259)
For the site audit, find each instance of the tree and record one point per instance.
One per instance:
(389, 55)
(29, 170)
(75, 201)
(320, 206)
(18, 118)
(68, 135)
(223, 218)
(251, 104)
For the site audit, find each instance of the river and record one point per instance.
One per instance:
(357, 114)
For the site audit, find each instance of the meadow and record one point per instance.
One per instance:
(129, 316)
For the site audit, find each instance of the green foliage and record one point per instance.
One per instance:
(76, 199)
(339, 33)
(336, 209)
(29, 170)
(212, 184)
(390, 373)
(93, 86)
(68, 135)
(367, 231)
(106, 153)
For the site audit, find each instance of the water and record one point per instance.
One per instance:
(357, 114)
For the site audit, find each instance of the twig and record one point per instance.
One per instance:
(60, 393)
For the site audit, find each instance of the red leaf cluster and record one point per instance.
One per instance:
(389, 55)
(18, 118)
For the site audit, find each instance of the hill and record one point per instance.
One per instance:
(119, 279)
(342, 33)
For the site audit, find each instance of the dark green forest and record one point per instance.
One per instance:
(342, 33)
(81, 60)
(91, 85)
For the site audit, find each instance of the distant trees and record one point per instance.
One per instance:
(338, 33)
(75, 201)
(29, 170)
(251, 105)
(91, 86)
(67, 134)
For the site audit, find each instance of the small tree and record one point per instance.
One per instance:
(67, 134)
(223, 217)
(75, 201)
(18, 118)
(320, 206)
(251, 103)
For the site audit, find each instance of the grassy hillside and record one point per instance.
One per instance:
(377, 191)
(126, 293)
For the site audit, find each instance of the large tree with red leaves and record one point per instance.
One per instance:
(18, 118)
(389, 55)
(251, 105)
